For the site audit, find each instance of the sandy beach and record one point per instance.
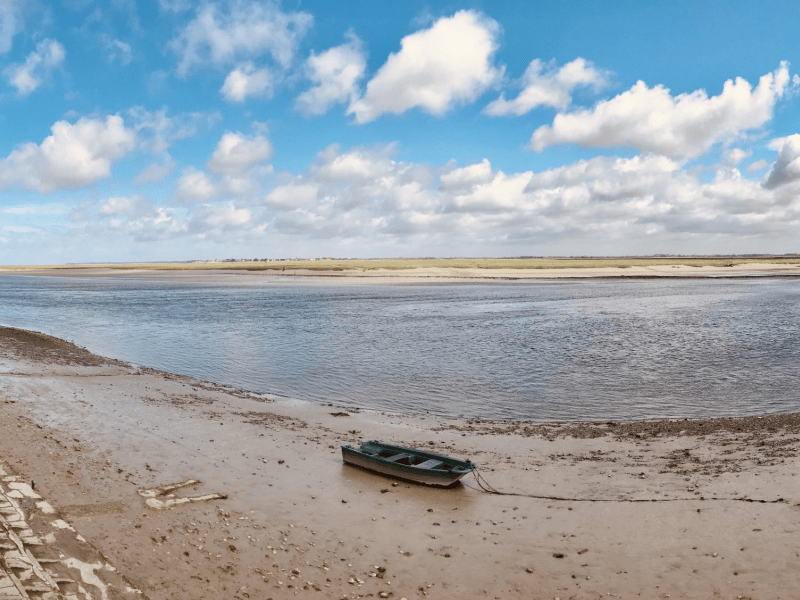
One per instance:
(423, 275)
(666, 509)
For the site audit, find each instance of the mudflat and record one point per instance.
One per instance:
(678, 509)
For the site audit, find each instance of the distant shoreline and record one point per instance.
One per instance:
(355, 265)
(378, 272)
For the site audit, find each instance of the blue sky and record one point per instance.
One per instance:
(171, 130)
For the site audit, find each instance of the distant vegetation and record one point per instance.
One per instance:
(441, 263)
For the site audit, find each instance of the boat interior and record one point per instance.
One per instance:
(406, 458)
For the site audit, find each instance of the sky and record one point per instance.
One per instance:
(181, 130)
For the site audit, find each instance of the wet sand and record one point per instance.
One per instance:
(668, 509)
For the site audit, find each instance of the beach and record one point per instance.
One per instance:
(408, 274)
(659, 509)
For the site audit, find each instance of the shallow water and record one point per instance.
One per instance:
(566, 350)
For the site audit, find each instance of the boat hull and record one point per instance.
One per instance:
(434, 477)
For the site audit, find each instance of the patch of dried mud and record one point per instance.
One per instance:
(272, 420)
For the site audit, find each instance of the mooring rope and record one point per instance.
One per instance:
(489, 489)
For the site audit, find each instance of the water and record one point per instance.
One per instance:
(579, 350)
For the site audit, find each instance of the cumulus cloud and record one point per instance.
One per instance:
(366, 196)
(74, 155)
(450, 63)
(198, 186)
(355, 165)
(129, 206)
(236, 153)
(245, 81)
(543, 85)
(468, 176)
(135, 216)
(682, 126)
(336, 74)
(224, 217)
(234, 167)
(28, 76)
(787, 168)
(366, 193)
(243, 29)
(161, 225)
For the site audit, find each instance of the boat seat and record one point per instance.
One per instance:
(397, 457)
(430, 464)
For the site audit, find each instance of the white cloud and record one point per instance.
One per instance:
(366, 194)
(549, 87)
(31, 74)
(224, 217)
(155, 171)
(10, 24)
(468, 176)
(175, 6)
(150, 224)
(501, 193)
(233, 170)
(733, 156)
(758, 165)
(74, 155)
(37, 209)
(353, 166)
(245, 81)
(294, 195)
(236, 153)
(157, 131)
(367, 198)
(115, 50)
(787, 168)
(128, 206)
(450, 63)
(241, 30)
(196, 186)
(336, 74)
(683, 126)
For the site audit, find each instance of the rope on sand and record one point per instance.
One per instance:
(489, 489)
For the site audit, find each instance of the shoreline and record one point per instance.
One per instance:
(471, 424)
(92, 432)
(428, 274)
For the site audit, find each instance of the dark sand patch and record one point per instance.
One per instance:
(41, 348)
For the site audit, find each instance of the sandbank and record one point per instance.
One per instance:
(663, 509)
(340, 276)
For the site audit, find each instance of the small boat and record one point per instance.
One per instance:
(411, 464)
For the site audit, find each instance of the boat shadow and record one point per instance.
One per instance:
(359, 475)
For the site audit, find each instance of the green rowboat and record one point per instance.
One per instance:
(420, 466)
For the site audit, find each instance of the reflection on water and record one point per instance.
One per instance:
(593, 350)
